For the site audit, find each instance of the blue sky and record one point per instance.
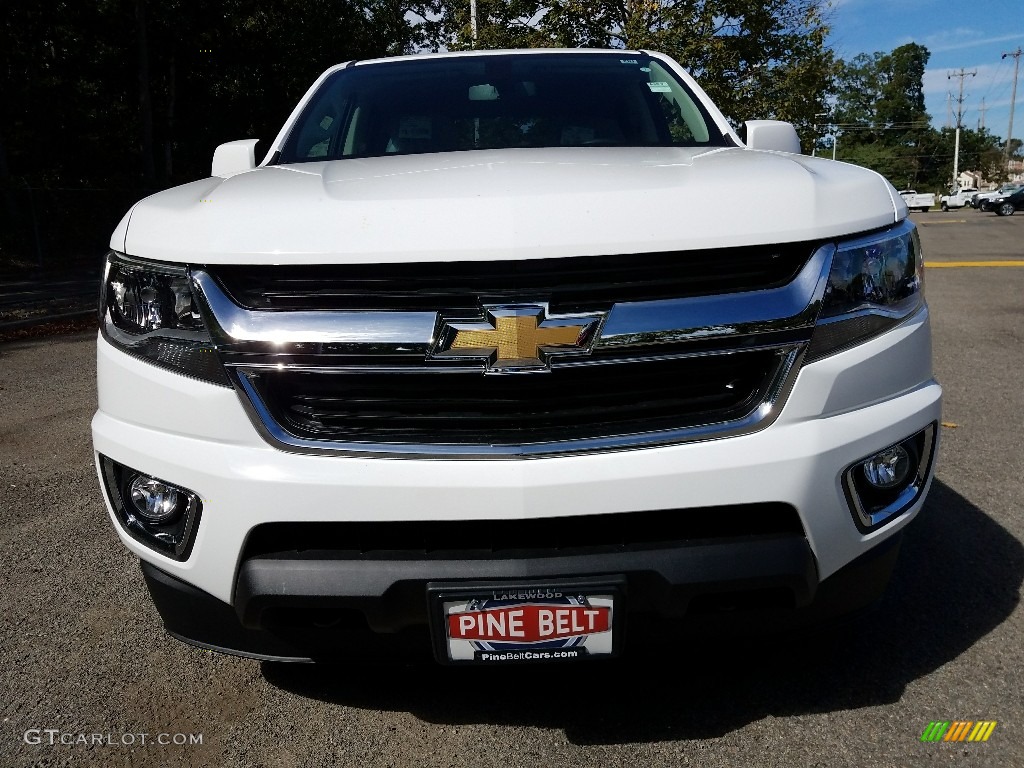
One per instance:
(972, 34)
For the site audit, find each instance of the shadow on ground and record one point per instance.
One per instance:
(957, 579)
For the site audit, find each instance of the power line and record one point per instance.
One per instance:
(993, 79)
(889, 127)
(931, 156)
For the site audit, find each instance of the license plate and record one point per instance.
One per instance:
(525, 623)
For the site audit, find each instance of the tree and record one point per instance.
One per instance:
(880, 108)
(138, 84)
(107, 100)
(446, 25)
(881, 113)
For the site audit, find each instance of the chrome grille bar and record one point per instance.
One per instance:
(253, 343)
(628, 325)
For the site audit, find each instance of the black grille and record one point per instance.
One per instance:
(540, 537)
(567, 284)
(567, 403)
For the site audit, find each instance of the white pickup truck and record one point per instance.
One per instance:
(959, 199)
(918, 201)
(472, 365)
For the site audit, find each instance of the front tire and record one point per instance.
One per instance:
(1005, 209)
(944, 207)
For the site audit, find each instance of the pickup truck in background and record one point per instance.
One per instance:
(918, 201)
(958, 199)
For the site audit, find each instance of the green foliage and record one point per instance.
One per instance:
(81, 80)
(107, 100)
(884, 125)
(880, 108)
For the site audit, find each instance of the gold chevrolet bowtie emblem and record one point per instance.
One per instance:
(518, 337)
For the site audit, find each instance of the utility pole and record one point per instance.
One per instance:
(982, 110)
(962, 74)
(1013, 99)
(949, 109)
(472, 19)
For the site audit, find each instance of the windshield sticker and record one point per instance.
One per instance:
(645, 69)
(628, 61)
(659, 86)
(485, 92)
(326, 122)
(414, 127)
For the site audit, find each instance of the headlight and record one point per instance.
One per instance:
(148, 310)
(875, 282)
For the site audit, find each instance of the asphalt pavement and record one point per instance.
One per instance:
(31, 300)
(89, 678)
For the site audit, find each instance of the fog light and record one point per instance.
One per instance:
(159, 515)
(156, 502)
(882, 487)
(889, 468)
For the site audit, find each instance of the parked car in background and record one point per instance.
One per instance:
(918, 201)
(959, 199)
(979, 197)
(986, 200)
(1009, 204)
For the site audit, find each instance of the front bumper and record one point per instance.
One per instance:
(752, 592)
(841, 409)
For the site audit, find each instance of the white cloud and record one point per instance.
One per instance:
(958, 39)
(989, 78)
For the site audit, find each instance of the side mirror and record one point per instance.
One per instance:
(234, 157)
(773, 135)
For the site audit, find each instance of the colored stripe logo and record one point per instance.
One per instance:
(958, 730)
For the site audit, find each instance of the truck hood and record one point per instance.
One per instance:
(507, 204)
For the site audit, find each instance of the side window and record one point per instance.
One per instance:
(685, 122)
(355, 135)
(319, 130)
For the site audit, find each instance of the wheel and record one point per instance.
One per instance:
(925, 209)
(1005, 209)
(945, 207)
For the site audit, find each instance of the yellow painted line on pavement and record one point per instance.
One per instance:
(933, 264)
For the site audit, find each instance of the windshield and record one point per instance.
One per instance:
(497, 102)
